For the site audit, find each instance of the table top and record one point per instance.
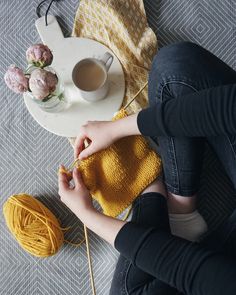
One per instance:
(66, 53)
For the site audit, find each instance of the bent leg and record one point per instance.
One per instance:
(184, 265)
(150, 210)
(178, 69)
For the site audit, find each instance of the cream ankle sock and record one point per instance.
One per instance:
(190, 226)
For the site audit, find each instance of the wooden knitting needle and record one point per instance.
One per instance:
(87, 246)
(140, 90)
(86, 240)
(89, 260)
(85, 229)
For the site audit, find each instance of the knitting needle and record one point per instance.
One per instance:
(87, 245)
(86, 239)
(85, 228)
(89, 260)
(140, 90)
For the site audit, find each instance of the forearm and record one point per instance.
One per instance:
(126, 126)
(209, 112)
(104, 226)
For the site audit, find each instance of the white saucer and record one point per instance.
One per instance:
(67, 52)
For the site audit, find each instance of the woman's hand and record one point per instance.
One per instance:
(100, 135)
(79, 201)
(77, 198)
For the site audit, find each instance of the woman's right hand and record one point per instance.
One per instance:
(99, 134)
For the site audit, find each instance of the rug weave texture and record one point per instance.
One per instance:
(30, 155)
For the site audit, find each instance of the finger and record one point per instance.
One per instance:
(88, 141)
(68, 173)
(77, 178)
(63, 182)
(79, 145)
(87, 152)
(76, 157)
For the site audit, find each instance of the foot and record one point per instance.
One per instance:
(190, 226)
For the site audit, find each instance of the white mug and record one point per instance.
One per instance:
(100, 92)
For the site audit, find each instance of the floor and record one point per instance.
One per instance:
(30, 155)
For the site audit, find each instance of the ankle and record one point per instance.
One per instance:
(181, 205)
(156, 186)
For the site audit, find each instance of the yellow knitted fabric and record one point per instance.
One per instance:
(122, 26)
(117, 175)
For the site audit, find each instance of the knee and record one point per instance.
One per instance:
(173, 60)
(179, 47)
(174, 53)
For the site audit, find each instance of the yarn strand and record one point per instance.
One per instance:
(75, 244)
(89, 260)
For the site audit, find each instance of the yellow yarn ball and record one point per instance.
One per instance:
(33, 225)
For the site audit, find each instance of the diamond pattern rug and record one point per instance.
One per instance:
(30, 155)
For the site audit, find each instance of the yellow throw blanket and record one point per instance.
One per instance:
(117, 175)
(122, 26)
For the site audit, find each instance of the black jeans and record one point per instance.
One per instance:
(177, 70)
(165, 261)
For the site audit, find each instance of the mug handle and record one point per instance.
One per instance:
(107, 59)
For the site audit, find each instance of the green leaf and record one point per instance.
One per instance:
(61, 96)
(47, 98)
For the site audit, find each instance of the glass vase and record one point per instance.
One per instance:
(55, 101)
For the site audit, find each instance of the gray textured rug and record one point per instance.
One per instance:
(30, 155)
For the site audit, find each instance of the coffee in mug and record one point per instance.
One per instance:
(90, 77)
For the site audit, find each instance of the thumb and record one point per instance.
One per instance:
(63, 182)
(77, 178)
(88, 151)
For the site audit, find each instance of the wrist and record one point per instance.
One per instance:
(104, 226)
(114, 131)
(86, 214)
(126, 126)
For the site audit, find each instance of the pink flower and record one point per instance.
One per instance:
(42, 83)
(39, 55)
(16, 80)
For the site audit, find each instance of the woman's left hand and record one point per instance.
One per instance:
(77, 198)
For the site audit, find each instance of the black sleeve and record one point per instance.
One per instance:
(209, 112)
(177, 262)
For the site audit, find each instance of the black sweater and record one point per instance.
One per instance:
(209, 112)
(186, 266)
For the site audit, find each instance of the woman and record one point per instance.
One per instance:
(192, 99)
